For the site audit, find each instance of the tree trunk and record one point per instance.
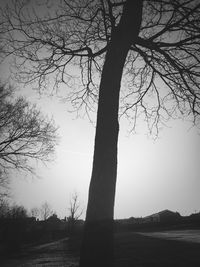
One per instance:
(97, 246)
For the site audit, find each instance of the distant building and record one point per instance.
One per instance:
(53, 223)
(162, 216)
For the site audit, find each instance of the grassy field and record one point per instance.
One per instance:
(134, 249)
(131, 249)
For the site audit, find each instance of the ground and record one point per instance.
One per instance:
(179, 235)
(138, 249)
(54, 254)
(149, 249)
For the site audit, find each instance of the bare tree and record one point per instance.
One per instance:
(4, 207)
(12, 211)
(45, 211)
(17, 212)
(34, 212)
(4, 186)
(153, 43)
(25, 135)
(75, 212)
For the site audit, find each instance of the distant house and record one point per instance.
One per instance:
(127, 223)
(53, 223)
(80, 222)
(162, 216)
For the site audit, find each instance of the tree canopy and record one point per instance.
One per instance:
(56, 43)
(25, 134)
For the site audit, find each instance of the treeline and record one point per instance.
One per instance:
(14, 221)
(19, 228)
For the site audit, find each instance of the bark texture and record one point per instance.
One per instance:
(97, 247)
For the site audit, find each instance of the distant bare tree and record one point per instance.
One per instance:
(45, 211)
(75, 212)
(25, 135)
(4, 207)
(4, 186)
(12, 211)
(34, 212)
(17, 211)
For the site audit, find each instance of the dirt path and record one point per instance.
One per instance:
(54, 254)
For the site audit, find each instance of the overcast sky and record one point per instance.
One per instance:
(152, 174)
